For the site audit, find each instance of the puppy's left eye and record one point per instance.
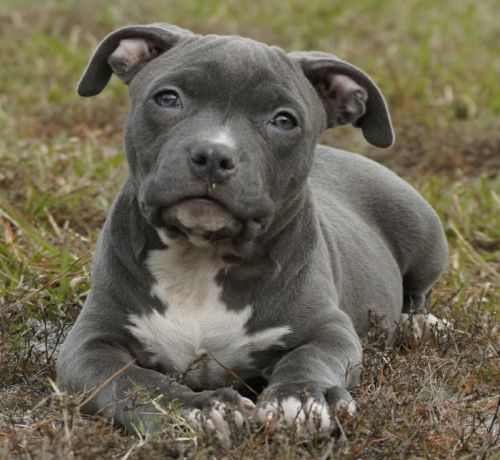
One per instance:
(284, 120)
(168, 98)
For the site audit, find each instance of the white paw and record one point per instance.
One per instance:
(219, 417)
(424, 325)
(310, 415)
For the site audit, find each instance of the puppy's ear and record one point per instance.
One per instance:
(348, 96)
(124, 52)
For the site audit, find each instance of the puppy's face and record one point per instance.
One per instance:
(220, 137)
(221, 133)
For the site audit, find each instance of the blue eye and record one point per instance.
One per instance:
(168, 98)
(284, 120)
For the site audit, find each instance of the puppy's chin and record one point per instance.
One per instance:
(202, 221)
(204, 216)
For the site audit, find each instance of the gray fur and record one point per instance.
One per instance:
(311, 240)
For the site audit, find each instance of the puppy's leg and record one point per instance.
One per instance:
(314, 376)
(120, 389)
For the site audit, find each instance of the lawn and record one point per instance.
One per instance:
(61, 163)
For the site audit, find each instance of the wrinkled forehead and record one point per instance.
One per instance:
(225, 63)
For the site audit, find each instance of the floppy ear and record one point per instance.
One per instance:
(124, 52)
(348, 95)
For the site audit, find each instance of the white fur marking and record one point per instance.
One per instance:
(196, 320)
(216, 419)
(311, 415)
(348, 407)
(424, 326)
(224, 137)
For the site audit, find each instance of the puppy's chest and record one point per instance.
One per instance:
(197, 335)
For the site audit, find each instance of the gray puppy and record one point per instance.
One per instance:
(239, 249)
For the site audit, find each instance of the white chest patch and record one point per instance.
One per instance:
(196, 322)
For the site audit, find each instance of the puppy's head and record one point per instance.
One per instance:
(221, 134)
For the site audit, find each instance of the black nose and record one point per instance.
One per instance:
(211, 163)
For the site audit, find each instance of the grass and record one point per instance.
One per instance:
(61, 162)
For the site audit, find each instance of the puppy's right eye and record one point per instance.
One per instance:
(168, 98)
(284, 120)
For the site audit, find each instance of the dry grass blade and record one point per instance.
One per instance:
(105, 383)
(473, 253)
(233, 374)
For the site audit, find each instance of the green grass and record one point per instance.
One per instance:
(61, 162)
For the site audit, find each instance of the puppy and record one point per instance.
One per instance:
(239, 249)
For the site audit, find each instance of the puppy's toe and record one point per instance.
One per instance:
(341, 400)
(195, 419)
(310, 415)
(219, 417)
(246, 406)
(317, 416)
(267, 413)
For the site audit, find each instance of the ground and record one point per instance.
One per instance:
(61, 162)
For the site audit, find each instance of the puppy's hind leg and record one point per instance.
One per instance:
(417, 287)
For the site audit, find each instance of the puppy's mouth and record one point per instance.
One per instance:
(198, 216)
(204, 219)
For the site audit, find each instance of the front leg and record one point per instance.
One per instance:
(305, 382)
(116, 387)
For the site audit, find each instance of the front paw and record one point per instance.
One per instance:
(217, 411)
(308, 408)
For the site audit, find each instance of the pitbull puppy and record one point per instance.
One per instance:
(238, 248)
